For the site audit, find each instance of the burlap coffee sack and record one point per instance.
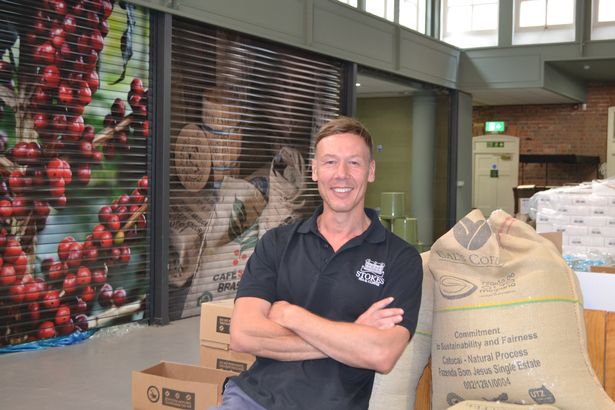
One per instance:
(490, 405)
(286, 187)
(238, 206)
(397, 390)
(508, 319)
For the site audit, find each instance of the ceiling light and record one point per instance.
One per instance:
(586, 67)
(358, 84)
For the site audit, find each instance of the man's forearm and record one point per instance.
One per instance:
(350, 343)
(252, 332)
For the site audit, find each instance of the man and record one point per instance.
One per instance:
(325, 302)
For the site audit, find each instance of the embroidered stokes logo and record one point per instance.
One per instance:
(371, 272)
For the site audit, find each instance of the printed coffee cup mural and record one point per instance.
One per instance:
(72, 226)
(244, 112)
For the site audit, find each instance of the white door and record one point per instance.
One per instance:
(610, 144)
(494, 182)
(507, 180)
(485, 186)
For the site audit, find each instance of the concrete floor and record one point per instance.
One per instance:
(95, 374)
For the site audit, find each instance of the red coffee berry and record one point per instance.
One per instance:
(51, 299)
(84, 173)
(84, 276)
(73, 260)
(45, 53)
(119, 297)
(32, 292)
(6, 208)
(99, 276)
(12, 251)
(142, 184)
(21, 264)
(106, 240)
(93, 81)
(57, 271)
(81, 306)
(88, 294)
(125, 257)
(136, 86)
(41, 208)
(50, 77)
(81, 322)
(64, 246)
(17, 293)
(105, 295)
(70, 284)
(62, 315)
(114, 222)
(8, 276)
(46, 330)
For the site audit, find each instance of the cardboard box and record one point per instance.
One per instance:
(216, 323)
(603, 269)
(555, 238)
(225, 359)
(522, 194)
(170, 385)
(215, 338)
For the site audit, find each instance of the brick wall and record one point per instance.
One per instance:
(555, 129)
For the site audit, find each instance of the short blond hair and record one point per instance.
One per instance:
(345, 125)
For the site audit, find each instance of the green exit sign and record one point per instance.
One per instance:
(494, 126)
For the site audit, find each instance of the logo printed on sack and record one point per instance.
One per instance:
(231, 365)
(472, 235)
(178, 399)
(505, 284)
(223, 324)
(501, 397)
(153, 394)
(371, 272)
(542, 395)
(452, 287)
(453, 398)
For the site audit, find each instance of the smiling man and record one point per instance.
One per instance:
(325, 302)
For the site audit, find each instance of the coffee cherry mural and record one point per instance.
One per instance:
(73, 178)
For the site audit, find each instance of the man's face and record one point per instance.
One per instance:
(342, 167)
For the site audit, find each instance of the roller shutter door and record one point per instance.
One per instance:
(243, 113)
(73, 166)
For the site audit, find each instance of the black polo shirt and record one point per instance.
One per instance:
(296, 264)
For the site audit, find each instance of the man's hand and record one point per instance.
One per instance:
(381, 317)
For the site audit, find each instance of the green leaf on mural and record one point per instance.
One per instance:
(8, 36)
(126, 42)
(248, 239)
(237, 221)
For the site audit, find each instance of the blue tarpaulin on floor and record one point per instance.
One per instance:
(73, 338)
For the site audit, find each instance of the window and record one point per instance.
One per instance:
(544, 21)
(352, 3)
(603, 20)
(606, 11)
(412, 14)
(545, 13)
(381, 8)
(470, 23)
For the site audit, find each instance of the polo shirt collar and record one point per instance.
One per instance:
(375, 232)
